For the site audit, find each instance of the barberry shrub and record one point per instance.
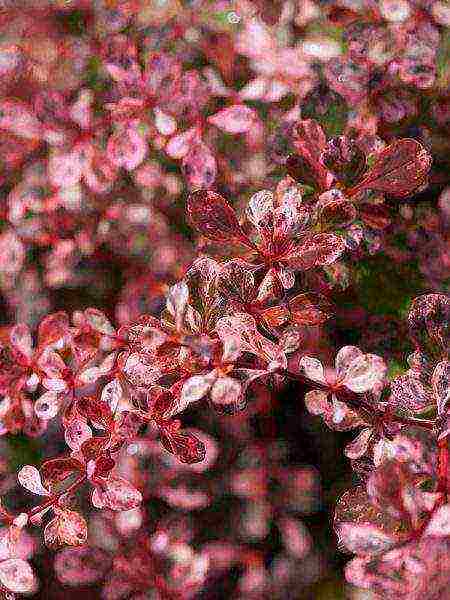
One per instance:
(108, 112)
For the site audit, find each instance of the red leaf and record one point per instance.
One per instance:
(309, 309)
(185, 446)
(94, 446)
(57, 469)
(374, 215)
(52, 328)
(95, 411)
(309, 139)
(213, 217)
(399, 170)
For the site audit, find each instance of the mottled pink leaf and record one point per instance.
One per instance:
(30, 478)
(47, 405)
(234, 119)
(126, 149)
(116, 493)
(227, 395)
(312, 368)
(17, 576)
(199, 166)
(364, 539)
(67, 527)
(98, 321)
(358, 447)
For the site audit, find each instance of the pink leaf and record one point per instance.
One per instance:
(98, 321)
(17, 576)
(364, 539)
(439, 524)
(67, 527)
(195, 388)
(65, 169)
(17, 118)
(199, 166)
(234, 119)
(178, 146)
(47, 405)
(345, 357)
(312, 369)
(358, 447)
(116, 493)
(409, 393)
(126, 149)
(76, 433)
(30, 478)
(364, 373)
(227, 395)
(440, 382)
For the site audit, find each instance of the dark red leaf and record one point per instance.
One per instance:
(97, 412)
(344, 159)
(161, 402)
(103, 466)
(336, 213)
(57, 469)
(399, 170)
(94, 446)
(309, 139)
(185, 446)
(309, 309)
(301, 170)
(375, 215)
(213, 217)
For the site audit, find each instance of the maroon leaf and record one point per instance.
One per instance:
(94, 446)
(97, 412)
(301, 170)
(185, 446)
(344, 159)
(336, 212)
(374, 215)
(213, 217)
(399, 170)
(309, 139)
(56, 470)
(309, 309)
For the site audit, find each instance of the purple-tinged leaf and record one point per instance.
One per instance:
(213, 217)
(399, 170)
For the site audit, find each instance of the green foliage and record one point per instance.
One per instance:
(23, 451)
(387, 288)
